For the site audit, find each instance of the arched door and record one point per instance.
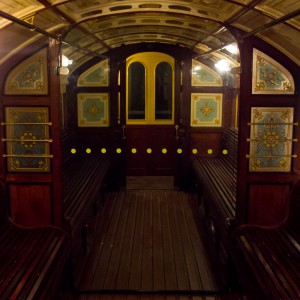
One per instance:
(150, 117)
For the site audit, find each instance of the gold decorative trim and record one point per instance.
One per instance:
(93, 109)
(97, 75)
(271, 138)
(269, 76)
(27, 143)
(202, 75)
(206, 110)
(30, 77)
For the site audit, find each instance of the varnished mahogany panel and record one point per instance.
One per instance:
(202, 141)
(155, 138)
(268, 203)
(30, 204)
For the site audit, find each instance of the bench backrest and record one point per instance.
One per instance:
(68, 142)
(230, 143)
(294, 208)
(3, 204)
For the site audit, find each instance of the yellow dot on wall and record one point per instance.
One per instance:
(209, 151)
(149, 150)
(164, 150)
(103, 150)
(194, 151)
(118, 150)
(133, 150)
(179, 151)
(225, 151)
(73, 150)
(88, 150)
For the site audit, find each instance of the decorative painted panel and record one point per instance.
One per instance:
(30, 77)
(27, 139)
(204, 76)
(206, 110)
(270, 77)
(92, 109)
(271, 138)
(98, 75)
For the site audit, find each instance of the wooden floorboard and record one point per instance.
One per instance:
(179, 255)
(154, 297)
(197, 245)
(167, 246)
(149, 182)
(148, 241)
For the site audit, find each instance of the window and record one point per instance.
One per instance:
(136, 91)
(163, 91)
(150, 89)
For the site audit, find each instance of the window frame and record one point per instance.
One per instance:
(150, 60)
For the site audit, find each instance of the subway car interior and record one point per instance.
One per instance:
(150, 149)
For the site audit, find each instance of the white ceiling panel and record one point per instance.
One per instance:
(100, 25)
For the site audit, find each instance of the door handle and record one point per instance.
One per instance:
(176, 132)
(123, 132)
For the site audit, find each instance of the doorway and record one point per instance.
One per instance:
(150, 118)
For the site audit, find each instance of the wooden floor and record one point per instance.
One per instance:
(148, 241)
(156, 297)
(149, 182)
(150, 245)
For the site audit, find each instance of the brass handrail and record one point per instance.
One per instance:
(24, 123)
(28, 155)
(261, 140)
(27, 140)
(294, 124)
(271, 156)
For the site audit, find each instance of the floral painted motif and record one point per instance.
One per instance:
(29, 77)
(27, 139)
(97, 75)
(206, 110)
(204, 76)
(92, 110)
(269, 77)
(271, 139)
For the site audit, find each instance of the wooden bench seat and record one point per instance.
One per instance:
(83, 180)
(268, 258)
(218, 182)
(216, 179)
(31, 259)
(82, 184)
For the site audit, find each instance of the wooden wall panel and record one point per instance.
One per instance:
(202, 141)
(40, 206)
(30, 204)
(257, 203)
(156, 138)
(268, 204)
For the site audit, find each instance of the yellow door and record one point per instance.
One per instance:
(150, 133)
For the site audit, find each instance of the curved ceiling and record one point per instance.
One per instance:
(92, 27)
